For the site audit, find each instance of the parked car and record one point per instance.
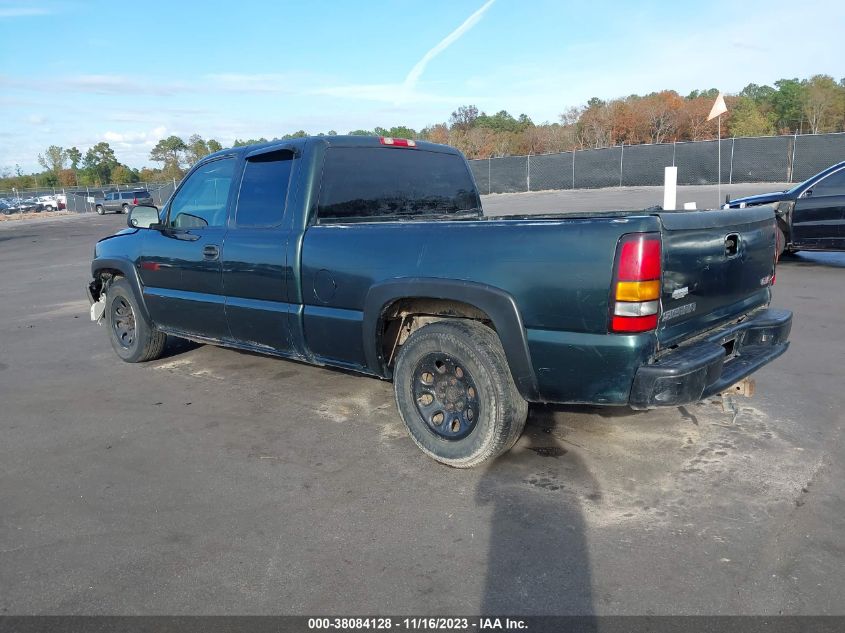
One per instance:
(122, 201)
(373, 255)
(31, 204)
(52, 203)
(811, 215)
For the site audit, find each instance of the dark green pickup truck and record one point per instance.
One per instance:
(373, 255)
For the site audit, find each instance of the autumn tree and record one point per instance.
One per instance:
(464, 117)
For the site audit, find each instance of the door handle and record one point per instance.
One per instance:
(210, 251)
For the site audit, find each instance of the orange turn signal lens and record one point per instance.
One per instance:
(638, 290)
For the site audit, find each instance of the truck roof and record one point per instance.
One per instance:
(330, 141)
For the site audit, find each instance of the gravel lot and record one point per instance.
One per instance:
(214, 481)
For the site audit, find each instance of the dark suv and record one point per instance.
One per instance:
(123, 201)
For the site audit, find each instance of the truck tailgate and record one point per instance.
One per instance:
(717, 266)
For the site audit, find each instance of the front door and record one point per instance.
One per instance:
(180, 265)
(818, 219)
(254, 256)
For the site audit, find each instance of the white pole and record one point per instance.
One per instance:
(719, 141)
(670, 188)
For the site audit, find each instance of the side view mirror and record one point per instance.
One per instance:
(142, 217)
(807, 194)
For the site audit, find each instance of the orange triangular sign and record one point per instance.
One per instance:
(718, 108)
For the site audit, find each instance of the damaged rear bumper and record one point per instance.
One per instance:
(711, 365)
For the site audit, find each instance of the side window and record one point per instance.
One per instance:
(833, 185)
(264, 189)
(201, 201)
(127, 196)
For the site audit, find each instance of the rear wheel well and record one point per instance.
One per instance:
(403, 317)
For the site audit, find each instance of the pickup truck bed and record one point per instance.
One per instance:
(372, 255)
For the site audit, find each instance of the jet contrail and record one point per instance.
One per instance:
(419, 67)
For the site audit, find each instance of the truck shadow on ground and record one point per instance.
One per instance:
(813, 259)
(538, 561)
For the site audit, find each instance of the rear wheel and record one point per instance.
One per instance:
(132, 336)
(125, 209)
(455, 393)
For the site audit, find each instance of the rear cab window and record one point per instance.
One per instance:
(366, 183)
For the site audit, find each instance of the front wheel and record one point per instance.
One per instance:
(780, 241)
(455, 393)
(133, 338)
(100, 210)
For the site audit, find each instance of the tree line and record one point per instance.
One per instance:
(791, 106)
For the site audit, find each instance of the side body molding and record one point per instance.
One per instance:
(496, 303)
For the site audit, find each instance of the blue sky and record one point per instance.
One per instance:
(75, 73)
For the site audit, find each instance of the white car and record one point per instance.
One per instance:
(53, 203)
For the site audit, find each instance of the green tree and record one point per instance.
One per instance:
(213, 146)
(362, 133)
(707, 93)
(746, 119)
(99, 161)
(53, 159)
(251, 141)
(821, 103)
(75, 157)
(123, 175)
(787, 104)
(196, 149)
(170, 151)
(758, 94)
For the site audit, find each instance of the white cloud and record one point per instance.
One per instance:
(407, 92)
(20, 12)
(418, 69)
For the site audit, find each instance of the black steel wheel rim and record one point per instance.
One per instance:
(123, 322)
(446, 396)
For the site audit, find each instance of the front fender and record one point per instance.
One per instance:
(496, 303)
(127, 269)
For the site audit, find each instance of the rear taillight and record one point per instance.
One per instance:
(396, 142)
(135, 201)
(635, 294)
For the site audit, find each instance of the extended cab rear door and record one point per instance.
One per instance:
(255, 252)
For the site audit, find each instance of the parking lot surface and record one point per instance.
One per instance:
(215, 481)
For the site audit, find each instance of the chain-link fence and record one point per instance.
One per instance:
(746, 159)
(83, 199)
